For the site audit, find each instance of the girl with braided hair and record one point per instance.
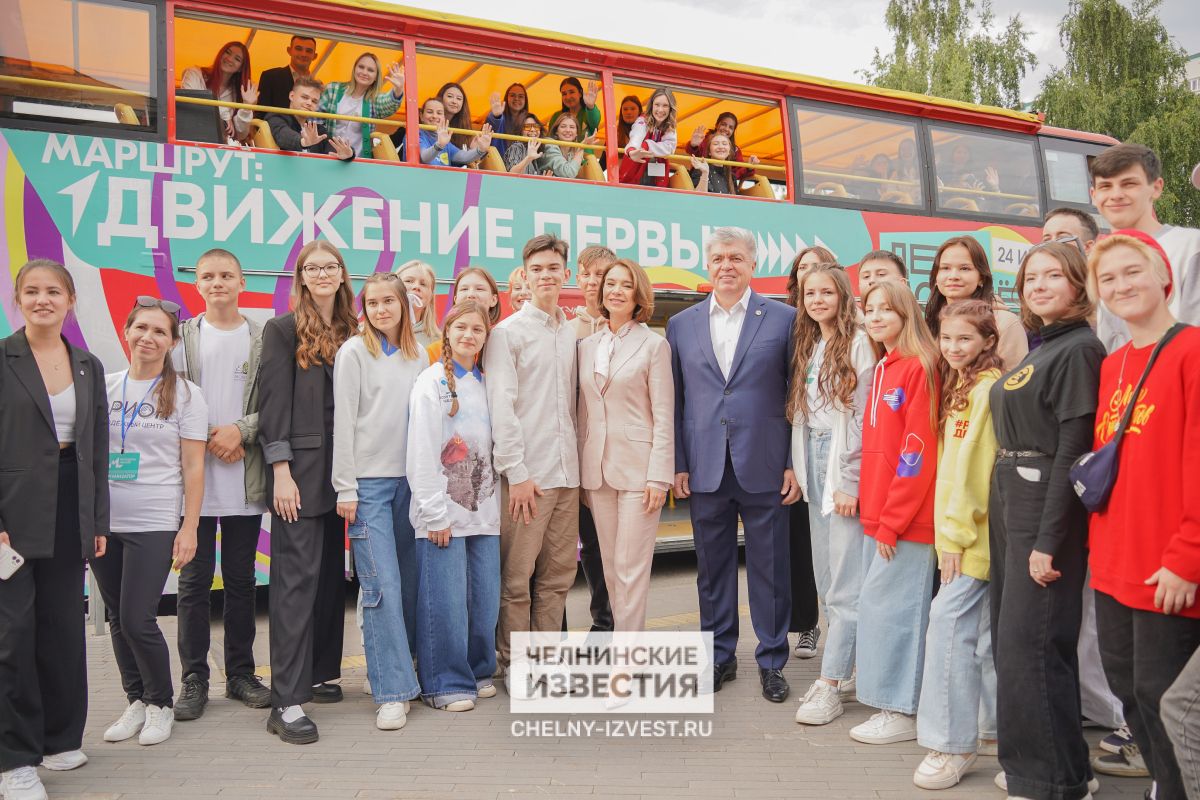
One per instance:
(456, 513)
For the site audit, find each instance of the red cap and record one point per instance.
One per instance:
(1153, 244)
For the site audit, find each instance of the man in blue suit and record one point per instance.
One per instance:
(731, 358)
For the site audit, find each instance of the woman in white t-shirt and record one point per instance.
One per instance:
(157, 434)
(373, 376)
(456, 513)
(228, 79)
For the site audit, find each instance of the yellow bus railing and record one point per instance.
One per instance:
(204, 101)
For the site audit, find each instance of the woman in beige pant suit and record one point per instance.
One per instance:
(626, 429)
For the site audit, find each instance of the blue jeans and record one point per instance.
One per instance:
(837, 565)
(385, 558)
(459, 608)
(893, 612)
(958, 691)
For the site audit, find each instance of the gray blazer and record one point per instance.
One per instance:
(29, 450)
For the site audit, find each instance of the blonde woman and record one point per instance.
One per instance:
(363, 96)
(421, 283)
(373, 376)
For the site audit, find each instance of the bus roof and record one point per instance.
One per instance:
(786, 82)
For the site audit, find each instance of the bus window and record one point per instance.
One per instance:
(859, 157)
(753, 130)
(80, 62)
(1067, 176)
(978, 172)
(198, 43)
(470, 87)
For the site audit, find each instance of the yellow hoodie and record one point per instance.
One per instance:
(967, 453)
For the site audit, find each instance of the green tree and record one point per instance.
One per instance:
(1123, 76)
(943, 48)
(1121, 68)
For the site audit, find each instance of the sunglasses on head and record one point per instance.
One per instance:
(1061, 240)
(146, 301)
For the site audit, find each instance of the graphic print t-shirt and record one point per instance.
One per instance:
(224, 370)
(154, 501)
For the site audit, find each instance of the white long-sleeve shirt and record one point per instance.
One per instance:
(450, 458)
(531, 380)
(637, 135)
(370, 414)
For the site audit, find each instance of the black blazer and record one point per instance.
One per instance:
(291, 418)
(29, 450)
(274, 86)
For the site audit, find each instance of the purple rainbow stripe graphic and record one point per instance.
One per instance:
(44, 240)
(462, 253)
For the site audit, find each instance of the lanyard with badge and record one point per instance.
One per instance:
(123, 466)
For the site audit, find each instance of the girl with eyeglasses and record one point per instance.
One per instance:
(54, 514)
(373, 376)
(508, 114)
(157, 437)
(521, 157)
(296, 418)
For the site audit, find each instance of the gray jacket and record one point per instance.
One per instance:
(256, 476)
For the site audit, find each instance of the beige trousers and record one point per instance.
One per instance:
(545, 550)
(626, 533)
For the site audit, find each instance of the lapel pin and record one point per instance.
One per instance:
(758, 312)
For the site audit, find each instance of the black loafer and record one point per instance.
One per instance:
(723, 673)
(774, 686)
(302, 731)
(193, 697)
(327, 693)
(249, 690)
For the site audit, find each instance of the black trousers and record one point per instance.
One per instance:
(239, 543)
(43, 663)
(308, 605)
(593, 571)
(131, 576)
(1035, 633)
(1143, 653)
(805, 610)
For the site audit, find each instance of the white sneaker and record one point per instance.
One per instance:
(129, 724)
(22, 783)
(847, 687)
(885, 727)
(366, 687)
(60, 762)
(459, 705)
(391, 716)
(159, 722)
(487, 691)
(820, 706)
(1002, 783)
(942, 770)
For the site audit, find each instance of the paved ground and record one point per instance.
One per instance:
(755, 749)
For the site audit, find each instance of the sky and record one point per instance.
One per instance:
(824, 39)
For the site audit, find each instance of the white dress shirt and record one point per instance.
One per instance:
(725, 327)
(531, 387)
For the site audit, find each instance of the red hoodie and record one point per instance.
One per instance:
(899, 454)
(1152, 518)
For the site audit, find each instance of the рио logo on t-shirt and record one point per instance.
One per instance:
(894, 398)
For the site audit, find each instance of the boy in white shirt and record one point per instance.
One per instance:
(220, 351)
(531, 386)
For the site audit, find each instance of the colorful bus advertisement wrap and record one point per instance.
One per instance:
(131, 218)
